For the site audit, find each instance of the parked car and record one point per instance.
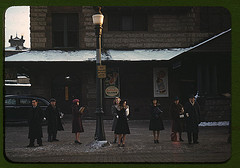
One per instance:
(17, 107)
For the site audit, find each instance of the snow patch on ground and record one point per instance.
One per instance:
(212, 124)
(95, 145)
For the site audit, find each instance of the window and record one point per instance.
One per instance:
(132, 21)
(25, 101)
(65, 30)
(10, 102)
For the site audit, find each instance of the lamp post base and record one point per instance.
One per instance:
(99, 134)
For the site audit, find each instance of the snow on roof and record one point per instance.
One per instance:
(90, 55)
(14, 49)
(115, 55)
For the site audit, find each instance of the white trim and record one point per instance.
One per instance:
(19, 84)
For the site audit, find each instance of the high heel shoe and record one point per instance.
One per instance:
(77, 142)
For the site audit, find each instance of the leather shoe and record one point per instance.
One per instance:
(30, 145)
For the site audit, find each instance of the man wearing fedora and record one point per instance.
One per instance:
(192, 113)
(54, 121)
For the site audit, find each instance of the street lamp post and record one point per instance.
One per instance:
(99, 133)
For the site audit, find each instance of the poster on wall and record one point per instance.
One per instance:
(112, 83)
(160, 82)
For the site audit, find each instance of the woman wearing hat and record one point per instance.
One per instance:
(77, 126)
(156, 123)
(177, 115)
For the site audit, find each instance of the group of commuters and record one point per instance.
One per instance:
(184, 118)
(35, 118)
(120, 111)
(54, 124)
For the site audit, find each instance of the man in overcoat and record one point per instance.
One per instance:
(192, 113)
(35, 118)
(54, 121)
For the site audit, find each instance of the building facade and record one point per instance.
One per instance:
(205, 68)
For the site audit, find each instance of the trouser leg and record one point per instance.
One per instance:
(31, 141)
(195, 137)
(189, 134)
(39, 141)
(50, 137)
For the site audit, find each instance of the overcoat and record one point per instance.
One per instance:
(77, 119)
(156, 123)
(177, 122)
(35, 117)
(193, 118)
(53, 118)
(114, 110)
(122, 123)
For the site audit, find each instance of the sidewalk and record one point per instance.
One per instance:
(213, 146)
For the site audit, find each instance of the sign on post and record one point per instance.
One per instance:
(112, 83)
(101, 71)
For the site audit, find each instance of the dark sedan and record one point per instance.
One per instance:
(17, 107)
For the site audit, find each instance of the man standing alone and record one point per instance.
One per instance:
(54, 121)
(35, 118)
(192, 112)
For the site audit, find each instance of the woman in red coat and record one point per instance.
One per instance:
(77, 126)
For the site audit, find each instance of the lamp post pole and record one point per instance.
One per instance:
(99, 133)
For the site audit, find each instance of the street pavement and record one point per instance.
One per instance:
(213, 146)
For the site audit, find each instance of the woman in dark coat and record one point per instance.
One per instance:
(156, 123)
(122, 127)
(77, 126)
(35, 117)
(192, 113)
(115, 107)
(54, 121)
(177, 115)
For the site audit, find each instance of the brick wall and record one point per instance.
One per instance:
(164, 30)
(38, 27)
(216, 109)
(88, 40)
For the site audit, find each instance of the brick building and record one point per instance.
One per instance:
(191, 46)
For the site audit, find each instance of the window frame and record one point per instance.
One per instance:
(65, 30)
(119, 16)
